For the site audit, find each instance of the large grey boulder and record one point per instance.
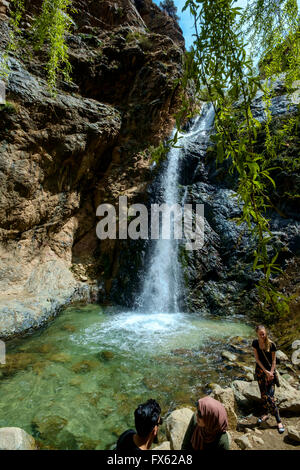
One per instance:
(16, 439)
(176, 425)
(246, 393)
(50, 286)
(287, 397)
(226, 397)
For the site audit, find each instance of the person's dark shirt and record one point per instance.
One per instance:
(125, 442)
(261, 356)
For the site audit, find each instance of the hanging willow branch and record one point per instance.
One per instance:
(50, 30)
(221, 65)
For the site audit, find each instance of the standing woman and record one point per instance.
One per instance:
(265, 356)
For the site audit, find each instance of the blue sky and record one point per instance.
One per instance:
(186, 20)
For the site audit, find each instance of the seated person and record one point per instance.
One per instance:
(147, 419)
(207, 428)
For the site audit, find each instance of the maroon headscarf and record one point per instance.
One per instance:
(215, 418)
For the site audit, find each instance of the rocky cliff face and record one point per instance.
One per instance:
(60, 157)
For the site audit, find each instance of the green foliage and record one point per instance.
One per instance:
(143, 39)
(8, 107)
(220, 65)
(17, 10)
(51, 28)
(159, 153)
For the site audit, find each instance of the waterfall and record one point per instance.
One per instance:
(162, 282)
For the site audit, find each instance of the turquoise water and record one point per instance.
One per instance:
(76, 383)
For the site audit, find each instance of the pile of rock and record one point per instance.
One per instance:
(244, 396)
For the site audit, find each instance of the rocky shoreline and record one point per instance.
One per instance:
(242, 403)
(241, 400)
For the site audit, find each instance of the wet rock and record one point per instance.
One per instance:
(69, 328)
(106, 355)
(18, 361)
(84, 367)
(88, 444)
(176, 426)
(52, 428)
(229, 356)
(16, 439)
(47, 427)
(60, 357)
(75, 382)
(44, 348)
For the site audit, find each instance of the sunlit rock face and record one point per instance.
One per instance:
(61, 156)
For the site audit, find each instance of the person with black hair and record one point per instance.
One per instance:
(147, 419)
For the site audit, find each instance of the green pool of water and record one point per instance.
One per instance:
(76, 383)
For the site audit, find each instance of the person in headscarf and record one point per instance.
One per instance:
(207, 428)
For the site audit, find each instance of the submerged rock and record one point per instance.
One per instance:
(85, 366)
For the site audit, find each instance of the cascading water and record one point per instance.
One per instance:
(163, 283)
(75, 384)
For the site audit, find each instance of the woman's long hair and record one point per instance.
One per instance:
(268, 342)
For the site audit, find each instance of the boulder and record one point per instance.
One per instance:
(282, 356)
(293, 433)
(287, 397)
(243, 442)
(176, 426)
(16, 439)
(229, 356)
(226, 397)
(166, 445)
(246, 393)
(296, 344)
(258, 440)
(296, 357)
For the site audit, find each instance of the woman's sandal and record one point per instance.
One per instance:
(263, 419)
(281, 430)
